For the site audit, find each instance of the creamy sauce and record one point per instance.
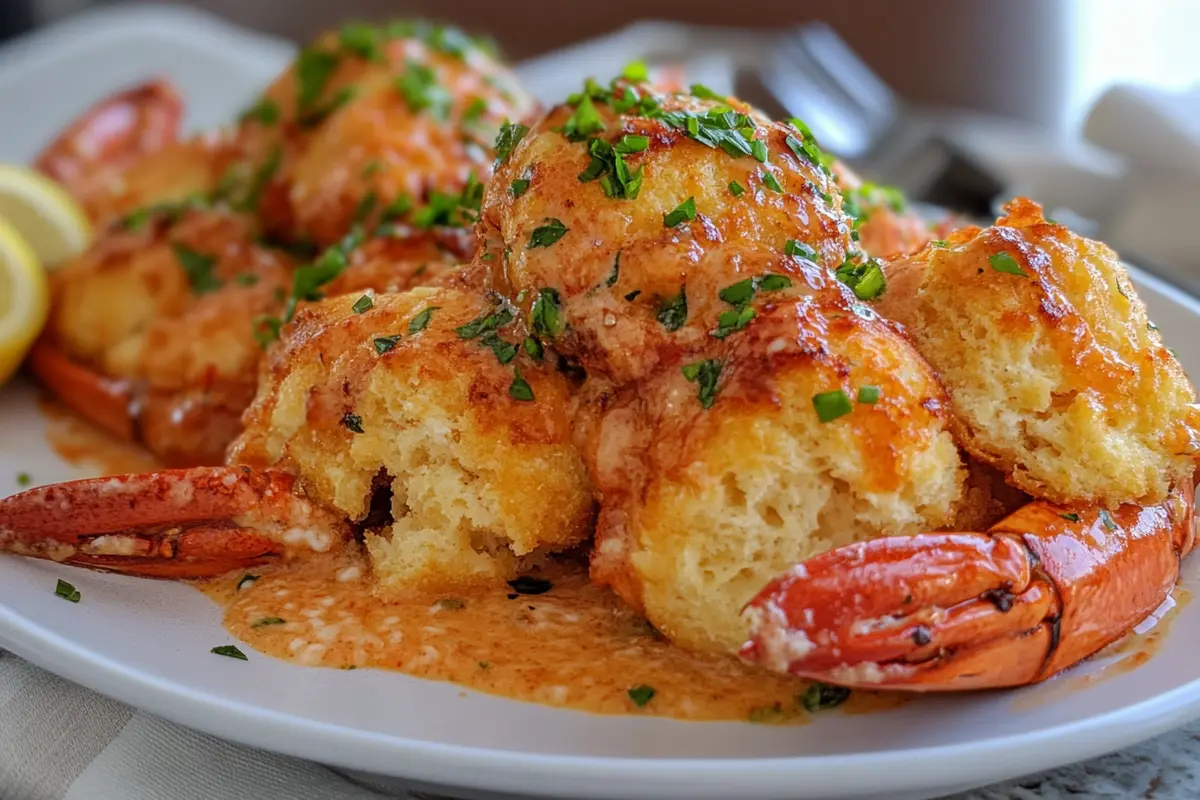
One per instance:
(575, 646)
(83, 445)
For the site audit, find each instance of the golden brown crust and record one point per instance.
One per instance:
(700, 507)
(479, 479)
(611, 312)
(1057, 377)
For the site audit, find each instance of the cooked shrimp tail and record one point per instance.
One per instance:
(189, 523)
(1043, 589)
(103, 400)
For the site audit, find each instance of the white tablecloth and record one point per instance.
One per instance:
(59, 741)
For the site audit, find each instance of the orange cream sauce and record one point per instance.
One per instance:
(83, 445)
(575, 646)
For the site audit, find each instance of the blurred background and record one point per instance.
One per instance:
(1089, 106)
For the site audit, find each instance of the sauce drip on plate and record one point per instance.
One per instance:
(574, 645)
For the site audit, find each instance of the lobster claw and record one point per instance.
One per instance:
(185, 523)
(1045, 588)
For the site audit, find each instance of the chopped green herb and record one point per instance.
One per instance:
(705, 93)
(865, 279)
(732, 321)
(66, 591)
(738, 293)
(527, 584)
(503, 350)
(362, 304)
(1003, 262)
(632, 143)
(770, 181)
(519, 187)
(372, 168)
(545, 315)
(534, 348)
(266, 330)
(397, 208)
(773, 283)
(451, 604)
(1107, 520)
(868, 394)
(365, 206)
(419, 87)
(608, 165)
(265, 621)
(585, 121)
(615, 275)
(230, 651)
(421, 321)
(307, 280)
(672, 314)
(362, 40)
(520, 389)
(1072, 517)
(246, 580)
(198, 267)
(314, 68)
(385, 344)
(640, 695)
(245, 279)
(491, 321)
(831, 405)
(822, 696)
(259, 180)
(636, 71)
(548, 234)
(511, 134)
(24, 479)
(939, 243)
(736, 189)
(794, 247)
(353, 422)
(758, 149)
(264, 112)
(705, 374)
(474, 111)
(684, 211)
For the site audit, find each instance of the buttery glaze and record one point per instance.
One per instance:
(575, 646)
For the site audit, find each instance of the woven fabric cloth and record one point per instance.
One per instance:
(59, 741)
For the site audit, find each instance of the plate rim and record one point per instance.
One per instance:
(974, 763)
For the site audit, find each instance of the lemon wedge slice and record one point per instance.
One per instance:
(48, 218)
(24, 299)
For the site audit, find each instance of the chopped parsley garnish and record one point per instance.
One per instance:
(705, 93)
(770, 181)
(246, 580)
(738, 293)
(24, 479)
(198, 267)
(314, 68)
(527, 584)
(739, 296)
(419, 87)
(632, 143)
(1107, 521)
(865, 279)
(451, 604)
(546, 314)
(831, 405)
(66, 591)
(684, 211)
(720, 128)
(794, 247)
(491, 321)
(259, 180)
(397, 208)
(519, 186)
(307, 280)
(137, 219)
(421, 321)
(640, 695)
(548, 234)
(352, 422)
(758, 149)
(615, 275)
(732, 321)
(520, 389)
(362, 40)
(362, 304)
(245, 279)
(511, 134)
(868, 395)
(474, 111)
(636, 71)
(534, 348)
(705, 375)
(822, 696)
(365, 206)
(265, 621)
(608, 165)
(939, 243)
(1072, 517)
(266, 330)
(264, 112)
(809, 149)
(503, 350)
(736, 189)
(230, 651)
(674, 311)
(585, 121)
(385, 344)
(1004, 262)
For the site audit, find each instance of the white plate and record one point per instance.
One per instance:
(147, 643)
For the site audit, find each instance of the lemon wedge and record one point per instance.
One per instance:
(48, 218)
(24, 299)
